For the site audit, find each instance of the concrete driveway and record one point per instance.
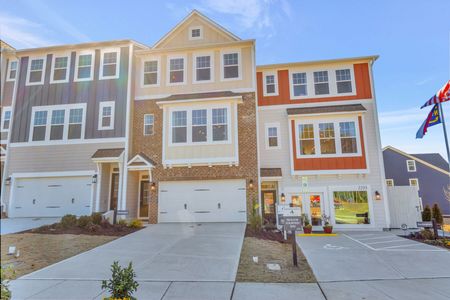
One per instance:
(14, 225)
(377, 265)
(190, 258)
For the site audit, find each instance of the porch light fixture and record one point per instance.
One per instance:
(250, 183)
(283, 197)
(377, 195)
(153, 186)
(8, 180)
(94, 178)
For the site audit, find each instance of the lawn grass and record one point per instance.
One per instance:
(37, 251)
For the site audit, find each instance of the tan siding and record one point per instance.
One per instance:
(132, 193)
(105, 185)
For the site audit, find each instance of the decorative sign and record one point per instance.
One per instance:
(291, 223)
(122, 212)
(427, 224)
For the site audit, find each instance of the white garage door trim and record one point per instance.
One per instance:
(202, 201)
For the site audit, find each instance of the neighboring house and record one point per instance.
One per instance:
(320, 143)
(429, 172)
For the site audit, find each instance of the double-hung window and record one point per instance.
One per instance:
(109, 64)
(272, 136)
(199, 125)
(231, 66)
(6, 118)
(321, 86)
(151, 76)
(57, 124)
(12, 70)
(75, 123)
(348, 137)
(414, 182)
(60, 67)
(84, 69)
(343, 81)
(176, 70)
(106, 117)
(411, 165)
(179, 127)
(203, 71)
(149, 122)
(219, 124)
(36, 71)
(270, 85)
(326, 136)
(306, 139)
(299, 84)
(39, 125)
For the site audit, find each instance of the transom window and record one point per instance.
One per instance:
(151, 72)
(231, 65)
(411, 165)
(60, 69)
(270, 84)
(12, 70)
(203, 68)
(36, 71)
(84, 69)
(106, 115)
(109, 68)
(176, 70)
(6, 119)
(149, 121)
(343, 81)
(299, 83)
(272, 136)
(321, 86)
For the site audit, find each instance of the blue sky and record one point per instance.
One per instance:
(412, 38)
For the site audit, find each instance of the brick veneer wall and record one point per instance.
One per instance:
(152, 147)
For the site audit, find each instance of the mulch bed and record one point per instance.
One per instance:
(443, 243)
(103, 229)
(266, 234)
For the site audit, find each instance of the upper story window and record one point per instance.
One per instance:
(109, 67)
(151, 72)
(199, 125)
(75, 123)
(203, 68)
(411, 165)
(196, 33)
(343, 81)
(36, 70)
(231, 66)
(12, 70)
(106, 117)
(6, 118)
(176, 70)
(149, 122)
(330, 138)
(270, 84)
(60, 69)
(390, 182)
(179, 127)
(39, 126)
(57, 124)
(321, 86)
(84, 67)
(299, 84)
(272, 136)
(220, 124)
(414, 182)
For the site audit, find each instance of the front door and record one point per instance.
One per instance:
(144, 197)
(268, 206)
(114, 191)
(310, 204)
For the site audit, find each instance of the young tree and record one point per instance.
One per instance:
(437, 215)
(426, 214)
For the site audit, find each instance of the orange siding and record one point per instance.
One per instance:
(362, 81)
(329, 163)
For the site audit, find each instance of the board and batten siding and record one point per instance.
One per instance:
(280, 158)
(90, 92)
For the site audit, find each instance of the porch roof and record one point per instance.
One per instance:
(326, 109)
(108, 153)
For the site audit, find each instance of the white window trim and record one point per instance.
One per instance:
(332, 84)
(391, 181)
(170, 57)
(102, 53)
(49, 109)
(153, 124)
(272, 125)
(158, 73)
(52, 72)
(417, 180)
(4, 110)
(337, 137)
(30, 59)
(194, 69)
(209, 125)
(8, 73)
(84, 52)
(193, 38)
(414, 164)
(222, 65)
(103, 104)
(275, 74)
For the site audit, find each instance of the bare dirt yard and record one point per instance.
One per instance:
(271, 251)
(37, 251)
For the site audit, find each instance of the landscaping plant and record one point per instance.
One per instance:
(84, 221)
(68, 221)
(6, 274)
(427, 234)
(307, 227)
(436, 214)
(97, 218)
(426, 213)
(122, 283)
(327, 227)
(255, 220)
(136, 223)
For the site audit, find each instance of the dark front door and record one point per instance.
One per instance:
(144, 199)
(268, 206)
(114, 190)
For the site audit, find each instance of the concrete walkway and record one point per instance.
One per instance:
(14, 225)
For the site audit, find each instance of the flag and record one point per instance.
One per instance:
(433, 118)
(441, 96)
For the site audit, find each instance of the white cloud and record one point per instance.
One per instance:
(404, 116)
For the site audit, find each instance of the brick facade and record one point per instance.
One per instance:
(152, 147)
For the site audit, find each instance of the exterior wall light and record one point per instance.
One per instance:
(94, 178)
(153, 186)
(377, 195)
(8, 180)
(283, 198)
(250, 184)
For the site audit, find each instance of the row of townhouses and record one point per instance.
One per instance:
(190, 129)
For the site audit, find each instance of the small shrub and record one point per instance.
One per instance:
(426, 214)
(427, 234)
(122, 283)
(436, 214)
(84, 221)
(93, 227)
(136, 223)
(305, 220)
(68, 221)
(255, 222)
(6, 274)
(97, 218)
(122, 222)
(105, 223)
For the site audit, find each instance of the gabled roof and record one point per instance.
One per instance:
(204, 18)
(141, 160)
(420, 159)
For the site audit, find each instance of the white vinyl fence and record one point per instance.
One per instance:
(404, 206)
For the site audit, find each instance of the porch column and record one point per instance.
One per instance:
(124, 184)
(99, 186)
(121, 183)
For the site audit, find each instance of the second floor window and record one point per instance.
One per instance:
(109, 68)
(36, 71)
(179, 127)
(57, 124)
(343, 81)
(203, 68)
(151, 72)
(149, 121)
(414, 182)
(411, 165)
(12, 70)
(199, 125)
(106, 117)
(390, 182)
(327, 141)
(321, 86)
(271, 85)
(75, 123)
(39, 126)
(6, 119)
(60, 69)
(299, 84)
(272, 136)
(84, 67)
(176, 70)
(220, 124)
(230, 65)
(306, 139)
(348, 137)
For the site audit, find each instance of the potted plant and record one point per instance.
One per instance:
(327, 227)
(122, 283)
(307, 227)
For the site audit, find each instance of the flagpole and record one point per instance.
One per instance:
(441, 113)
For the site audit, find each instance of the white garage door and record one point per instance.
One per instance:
(202, 201)
(51, 196)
